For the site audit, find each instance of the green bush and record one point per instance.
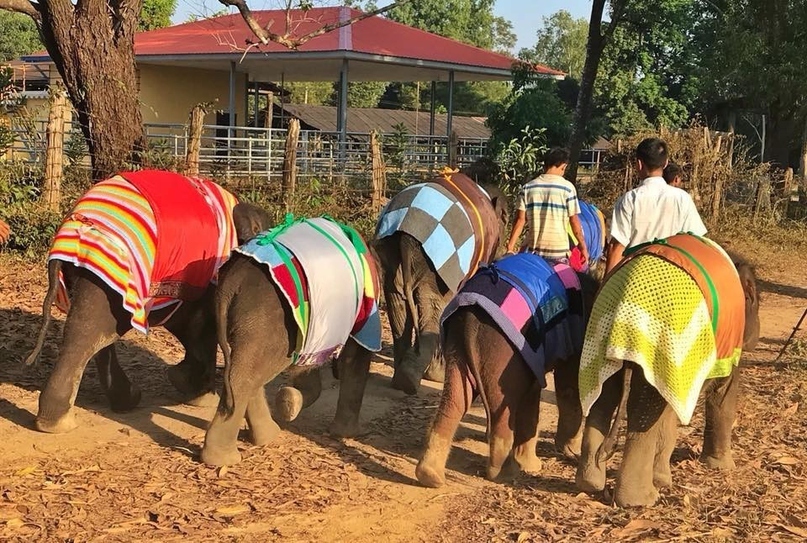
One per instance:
(32, 227)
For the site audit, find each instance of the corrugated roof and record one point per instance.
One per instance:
(364, 120)
(376, 36)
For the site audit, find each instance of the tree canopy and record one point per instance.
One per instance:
(18, 36)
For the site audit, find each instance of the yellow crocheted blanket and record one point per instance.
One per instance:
(653, 313)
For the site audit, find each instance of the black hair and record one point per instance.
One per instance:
(672, 171)
(653, 153)
(555, 157)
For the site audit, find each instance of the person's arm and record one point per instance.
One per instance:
(577, 230)
(5, 231)
(615, 251)
(518, 227)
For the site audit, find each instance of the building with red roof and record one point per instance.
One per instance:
(220, 60)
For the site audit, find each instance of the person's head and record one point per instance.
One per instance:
(556, 160)
(651, 157)
(673, 175)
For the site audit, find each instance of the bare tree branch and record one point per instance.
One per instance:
(22, 6)
(286, 39)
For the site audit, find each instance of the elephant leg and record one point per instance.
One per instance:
(721, 409)
(569, 436)
(90, 326)
(305, 390)
(526, 431)
(354, 368)
(243, 381)
(401, 326)
(262, 427)
(123, 395)
(652, 426)
(590, 475)
(408, 375)
(194, 326)
(454, 404)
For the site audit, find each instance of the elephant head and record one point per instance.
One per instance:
(748, 279)
(249, 221)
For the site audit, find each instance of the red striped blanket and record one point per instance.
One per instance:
(155, 238)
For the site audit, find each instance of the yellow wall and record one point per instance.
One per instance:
(167, 94)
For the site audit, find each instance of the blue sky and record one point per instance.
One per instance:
(525, 15)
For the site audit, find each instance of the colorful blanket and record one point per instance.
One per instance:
(329, 279)
(453, 220)
(539, 309)
(593, 222)
(114, 232)
(675, 308)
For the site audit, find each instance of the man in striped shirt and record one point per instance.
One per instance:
(546, 205)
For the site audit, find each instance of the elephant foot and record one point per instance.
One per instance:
(288, 404)
(590, 478)
(220, 456)
(59, 426)
(662, 476)
(207, 399)
(124, 402)
(724, 462)
(436, 372)
(345, 428)
(429, 475)
(529, 463)
(264, 433)
(179, 376)
(569, 448)
(642, 496)
(406, 380)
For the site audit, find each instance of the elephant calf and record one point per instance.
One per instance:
(510, 324)
(293, 296)
(670, 321)
(128, 256)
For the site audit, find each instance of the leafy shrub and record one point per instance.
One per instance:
(520, 158)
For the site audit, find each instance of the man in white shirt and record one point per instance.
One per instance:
(654, 209)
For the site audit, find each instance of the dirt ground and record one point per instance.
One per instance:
(137, 476)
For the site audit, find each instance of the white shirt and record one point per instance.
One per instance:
(654, 210)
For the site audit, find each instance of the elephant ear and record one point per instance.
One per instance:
(250, 220)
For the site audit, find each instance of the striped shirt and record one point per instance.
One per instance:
(548, 202)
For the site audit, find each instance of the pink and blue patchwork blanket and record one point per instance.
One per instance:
(538, 308)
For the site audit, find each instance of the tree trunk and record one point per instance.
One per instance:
(582, 112)
(92, 46)
(290, 164)
(803, 160)
(194, 140)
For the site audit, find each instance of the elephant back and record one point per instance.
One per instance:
(328, 277)
(154, 237)
(676, 308)
(453, 220)
(538, 307)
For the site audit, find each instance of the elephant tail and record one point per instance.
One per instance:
(223, 301)
(606, 450)
(407, 257)
(54, 267)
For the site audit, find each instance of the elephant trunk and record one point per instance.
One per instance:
(606, 449)
(54, 267)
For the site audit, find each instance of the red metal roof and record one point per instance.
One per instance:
(373, 36)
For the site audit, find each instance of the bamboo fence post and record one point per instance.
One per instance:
(54, 154)
(290, 163)
(195, 140)
(379, 175)
(453, 148)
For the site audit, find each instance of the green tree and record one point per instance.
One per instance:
(315, 93)
(156, 14)
(362, 93)
(561, 43)
(18, 36)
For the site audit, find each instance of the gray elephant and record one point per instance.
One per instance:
(670, 322)
(127, 256)
(276, 308)
(508, 325)
(429, 239)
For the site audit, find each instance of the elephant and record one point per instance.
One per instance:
(424, 258)
(82, 281)
(259, 331)
(633, 363)
(486, 355)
